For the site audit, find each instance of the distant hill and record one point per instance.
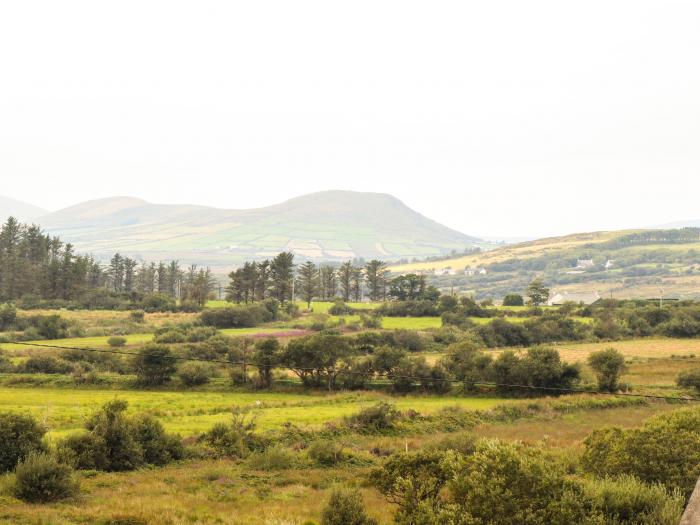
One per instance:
(18, 209)
(324, 226)
(621, 264)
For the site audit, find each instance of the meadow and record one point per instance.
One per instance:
(250, 491)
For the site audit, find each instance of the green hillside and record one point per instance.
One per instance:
(624, 264)
(328, 225)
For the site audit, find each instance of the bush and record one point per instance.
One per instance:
(382, 416)
(339, 308)
(154, 365)
(410, 340)
(370, 321)
(345, 507)
(690, 379)
(42, 479)
(117, 442)
(273, 458)
(20, 435)
(235, 440)
(116, 341)
(195, 374)
(665, 450)
(138, 316)
(513, 299)
(325, 452)
(608, 365)
(44, 364)
(246, 316)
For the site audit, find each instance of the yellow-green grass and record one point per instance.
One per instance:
(648, 347)
(65, 410)
(323, 306)
(411, 323)
(131, 340)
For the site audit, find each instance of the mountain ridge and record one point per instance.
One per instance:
(22, 211)
(328, 225)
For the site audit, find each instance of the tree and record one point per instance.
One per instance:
(608, 365)
(514, 299)
(154, 365)
(345, 277)
(376, 276)
(307, 280)
(357, 284)
(408, 287)
(537, 292)
(328, 282)
(266, 357)
(282, 276)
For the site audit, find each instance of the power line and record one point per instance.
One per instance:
(357, 373)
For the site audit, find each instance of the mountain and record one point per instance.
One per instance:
(623, 264)
(680, 224)
(329, 225)
(20, 210)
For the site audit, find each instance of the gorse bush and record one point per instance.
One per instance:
(608, 365)
(195, 374)
(325, 452)
(511, 484)
(116, 341)
(380, 417)
(234, 440)
(690, 379)
(154, 365)
(41, 479)
(44, 364)
(115, 441)
(20, 435)
(665, 450)
(273, 458)
(345, 507)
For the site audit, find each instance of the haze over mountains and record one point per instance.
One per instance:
(325, 226)
(20, 210)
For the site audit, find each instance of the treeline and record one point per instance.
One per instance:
(36, 269)
(281, 279)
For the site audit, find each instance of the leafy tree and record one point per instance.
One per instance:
(408, 287)
(154, 365)
(315, 359)
(308, 282)
(266, 357)
(609, 365)
(537, 292)
(328, 282)
(514, 299)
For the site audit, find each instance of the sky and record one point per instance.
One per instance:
(497, 118)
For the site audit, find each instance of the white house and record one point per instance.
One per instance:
(584, 263)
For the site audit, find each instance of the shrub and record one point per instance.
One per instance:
(44, 364)
(5, 364)
(117, 442)
(41, 479)
(20, 435)
(195, 374)
(116, 341)
(409, 480)
(689, 379)
(370, 321)
(236, 316)
(235, 440)
(325, 452)
(8, 317)
(138, 316)
(665, 450)
(608, 365)
(273, 458)
(154, 365)
(382, 416)
(513, 299)
(339, 308)
(410, 340)
(345, 507)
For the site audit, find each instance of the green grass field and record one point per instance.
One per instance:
(190, 412)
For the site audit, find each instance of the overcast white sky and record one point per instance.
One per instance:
(503, 118)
